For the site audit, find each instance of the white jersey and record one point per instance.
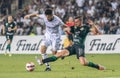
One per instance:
(52, 27)
(52, 34)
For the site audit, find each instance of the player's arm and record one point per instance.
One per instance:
(93, 28)
(3, 29)
(31, 15)
(13, 29)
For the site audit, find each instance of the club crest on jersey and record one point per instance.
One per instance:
(11, 25)
(81, 28)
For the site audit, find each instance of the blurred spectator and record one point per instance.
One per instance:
(5, 7)
(106, 13)
(118, 31)
(70, 21)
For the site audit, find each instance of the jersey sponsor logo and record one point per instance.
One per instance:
(82, 29)
(76, 40)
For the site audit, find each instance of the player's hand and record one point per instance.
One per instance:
(26, 17)
(9, 29)
(67, 29)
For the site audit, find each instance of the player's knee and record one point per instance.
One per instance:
(83, 63)
(43, 49)
(8, 41)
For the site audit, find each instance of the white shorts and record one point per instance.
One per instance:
(53, 40)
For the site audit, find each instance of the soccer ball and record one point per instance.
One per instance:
(30, 66)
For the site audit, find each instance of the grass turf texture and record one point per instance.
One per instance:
(14, 67)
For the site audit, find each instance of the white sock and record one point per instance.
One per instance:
(44, 56)
(7, 51)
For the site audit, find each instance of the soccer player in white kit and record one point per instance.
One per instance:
(52, 34)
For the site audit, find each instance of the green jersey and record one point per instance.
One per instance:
(80, 34)
(9, 25)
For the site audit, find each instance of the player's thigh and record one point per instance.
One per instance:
(45, 42)
(62, 53)
(55, 44)
(9, 38)
(71, 50)
(83, 60)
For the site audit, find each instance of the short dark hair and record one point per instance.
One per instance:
(48, 12)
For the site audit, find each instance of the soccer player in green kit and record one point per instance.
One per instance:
(79, 34)
(9, 29)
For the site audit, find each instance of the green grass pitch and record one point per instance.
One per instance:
(14, 67)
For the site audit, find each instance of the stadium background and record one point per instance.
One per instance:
(106, 13)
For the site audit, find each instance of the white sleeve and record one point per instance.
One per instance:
(42, 16)
(61, 23)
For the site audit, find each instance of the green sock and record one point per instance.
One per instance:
(91, 64)
(8, 47)
(50, 59)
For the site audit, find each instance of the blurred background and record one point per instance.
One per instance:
(105, 13)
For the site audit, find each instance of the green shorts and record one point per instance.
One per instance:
(9, 37)
(75, 49)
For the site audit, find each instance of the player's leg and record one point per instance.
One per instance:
(44, 56)
(56, 56)
(11, 38)
(84, 62)
(45, 43)
(55, 42)
(53, 58)
(6, 50)
(61, 53)
(8, 47)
